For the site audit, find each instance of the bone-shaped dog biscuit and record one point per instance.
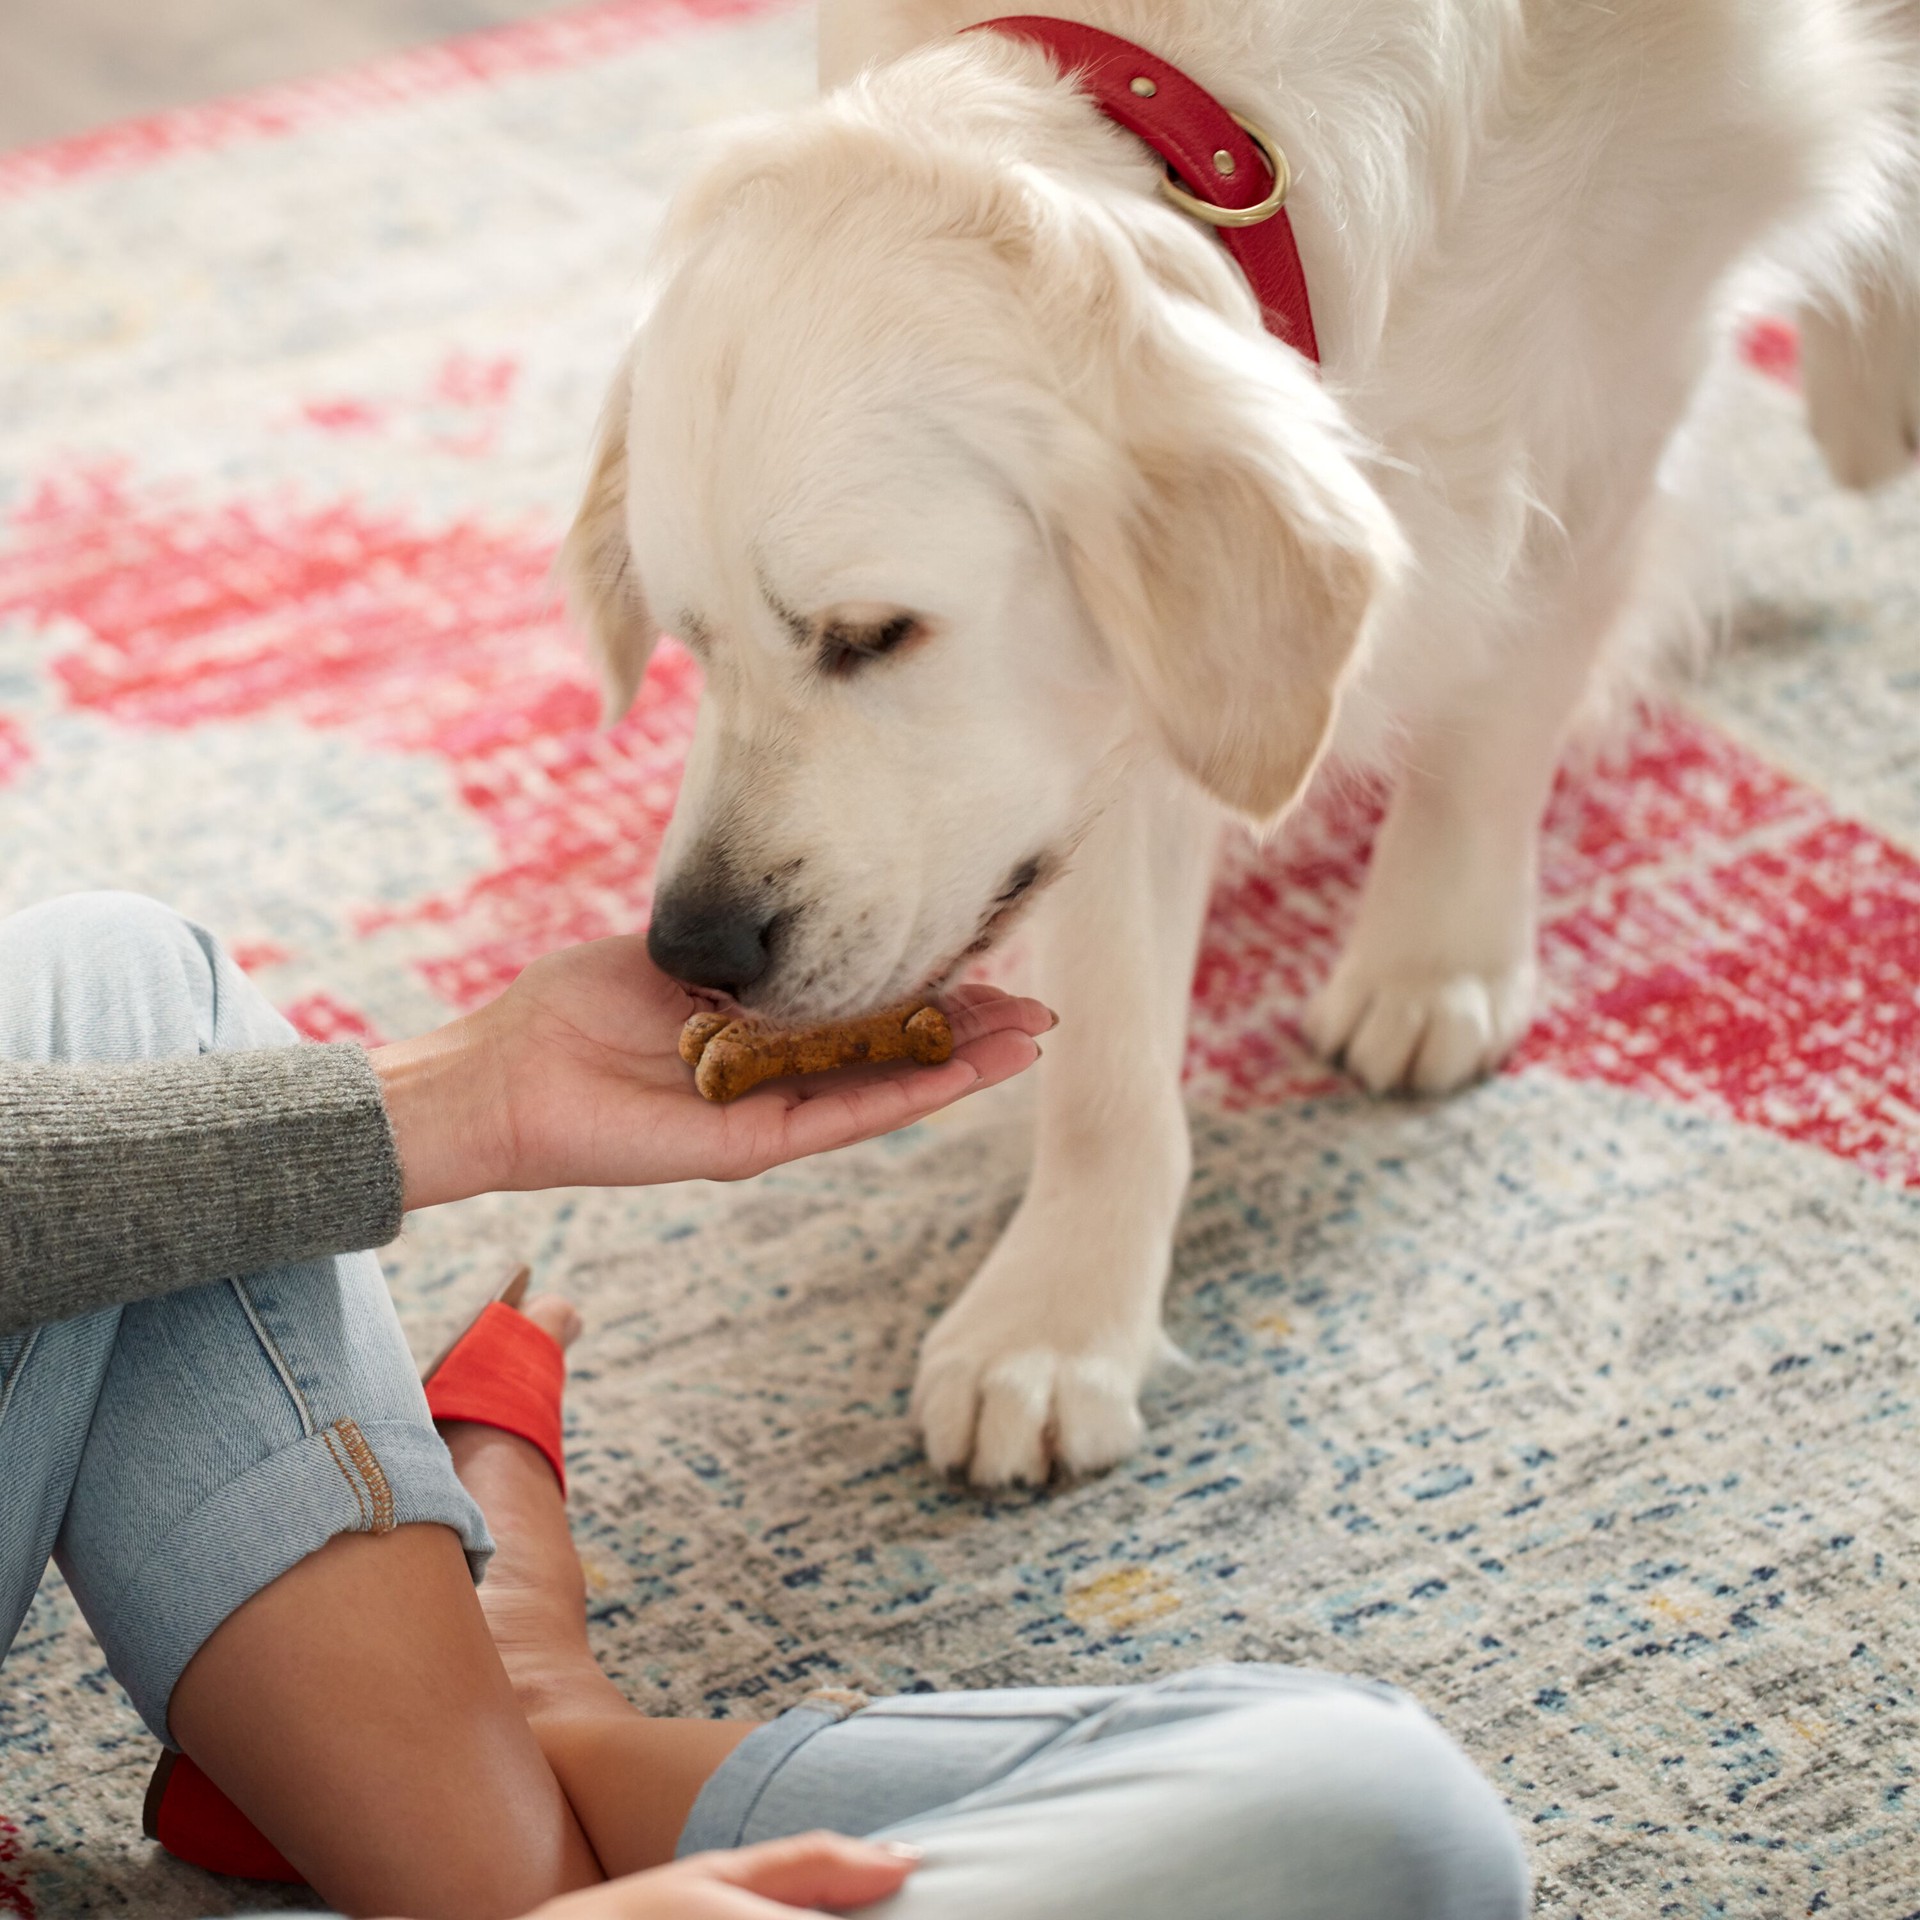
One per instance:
(731, 1056)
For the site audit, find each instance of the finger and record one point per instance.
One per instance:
(794, 1118)
(1000, 1056)
(994, 1056)
(683, 1891)
(1002, 1013)
(789, 1121)
(974, 993)
(887, 1103)
(815, 1870)
(883, 1104)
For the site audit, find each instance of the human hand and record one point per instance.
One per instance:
(573, 1077)
(812, 1871)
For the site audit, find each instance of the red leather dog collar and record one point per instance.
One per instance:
(1229, 173)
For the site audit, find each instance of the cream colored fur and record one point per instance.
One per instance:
(936, 348)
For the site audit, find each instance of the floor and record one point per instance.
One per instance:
(70, 65)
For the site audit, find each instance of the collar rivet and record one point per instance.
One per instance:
(1143, 87)
(1222, 161)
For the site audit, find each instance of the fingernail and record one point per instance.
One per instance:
(901, 1850)
(1053, 1019)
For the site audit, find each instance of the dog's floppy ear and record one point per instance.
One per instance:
(1232, 551)
(596, 563)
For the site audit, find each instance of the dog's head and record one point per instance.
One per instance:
(965, 487)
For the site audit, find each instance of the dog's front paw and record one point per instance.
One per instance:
(1007, 1417)
(1418, 1032)
(1009, 1385)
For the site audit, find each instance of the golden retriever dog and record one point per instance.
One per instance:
(1019, 557)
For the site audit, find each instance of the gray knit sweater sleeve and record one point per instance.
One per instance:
(119, 1182)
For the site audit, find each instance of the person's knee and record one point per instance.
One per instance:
(1369, 1802)
(105, 976)
(1232, 1794)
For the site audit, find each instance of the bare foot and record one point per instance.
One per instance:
(632, 1781)
(534, 1595)
(555, 1315)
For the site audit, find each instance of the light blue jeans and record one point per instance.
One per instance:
(1227, 1793)
(177, 1455)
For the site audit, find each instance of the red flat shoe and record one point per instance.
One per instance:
(505, 1372)
(195, 1822)
(501, 1371)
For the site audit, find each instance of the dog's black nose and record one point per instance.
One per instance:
(705, 939)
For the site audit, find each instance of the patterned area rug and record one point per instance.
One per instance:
(1583, 1405)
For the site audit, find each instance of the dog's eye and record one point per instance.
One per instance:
(845, 646)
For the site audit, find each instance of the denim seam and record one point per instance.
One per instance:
(375, 1475)
(272, 1349)
(210, 953)
(842, 1702)
(889, 1711)
(16, 1370)
(331, 1442)
(379, 1490)
(773, 1773)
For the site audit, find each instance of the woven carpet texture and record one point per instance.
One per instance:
(1582, 1405)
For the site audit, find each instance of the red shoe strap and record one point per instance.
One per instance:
(506, 1372)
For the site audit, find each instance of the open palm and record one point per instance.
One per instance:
(584, 1048)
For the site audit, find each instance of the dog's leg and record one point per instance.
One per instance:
(1042, 1358)
(1862, 369)
(1436, 982)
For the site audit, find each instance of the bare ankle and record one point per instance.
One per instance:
(557, 1689)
